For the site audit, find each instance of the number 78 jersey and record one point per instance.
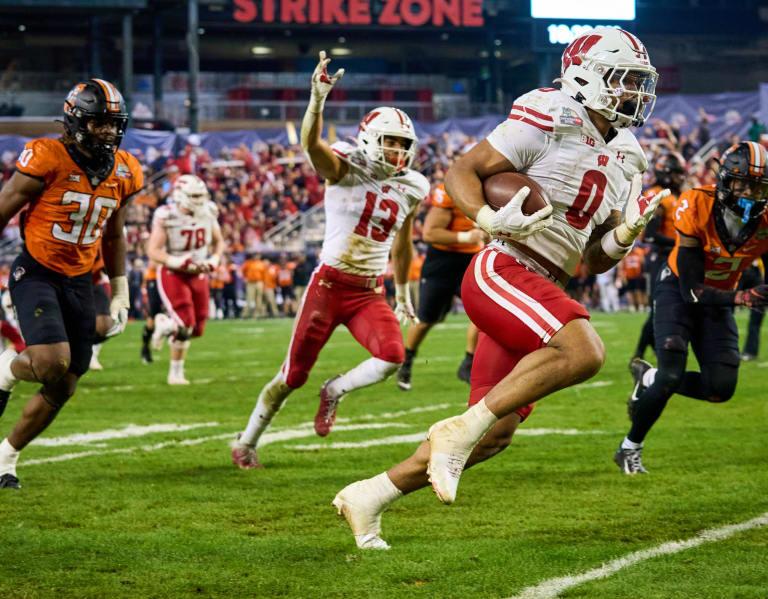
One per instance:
(63, 226)
(364, 213)
(550, 138)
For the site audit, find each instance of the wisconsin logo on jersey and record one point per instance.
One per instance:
(569, 117)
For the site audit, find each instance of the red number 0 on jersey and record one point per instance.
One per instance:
(377, 233)
(592, 186)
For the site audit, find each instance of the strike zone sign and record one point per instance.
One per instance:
(415, 13)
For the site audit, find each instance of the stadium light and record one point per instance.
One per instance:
(261, 50)
(341, 51)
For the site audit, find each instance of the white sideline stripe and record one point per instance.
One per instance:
(594, 384)
(553, 587)
(418, 437)
(130, 430)
(285, 435)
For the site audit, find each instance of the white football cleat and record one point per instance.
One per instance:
(450, 444)
(95, 364)
(244, 456)
(164, 326)
(363, 513)
(177, 379)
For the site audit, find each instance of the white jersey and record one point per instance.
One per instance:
(363, 213)
(550, 138)
(187, 233)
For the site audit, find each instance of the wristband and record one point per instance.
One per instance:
(402, 292)
(484, 218)
(175, 262)
(612, 248)
(214, 260)
(625, 236)
(316, 103)
(464, 237)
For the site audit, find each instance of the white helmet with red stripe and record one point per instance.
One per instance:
(190, 192)
(382, 122)
(606, 64)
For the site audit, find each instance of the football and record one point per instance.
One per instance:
(499, 189)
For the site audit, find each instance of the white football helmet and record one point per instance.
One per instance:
(382, 122)
(190, 192)
(605, 64)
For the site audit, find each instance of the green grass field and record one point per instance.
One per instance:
(162, 512)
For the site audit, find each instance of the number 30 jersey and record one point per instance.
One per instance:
(187, 233)
(363, 213)
(550, 138)
(63, 226)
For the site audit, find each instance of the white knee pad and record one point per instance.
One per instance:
(180, 345)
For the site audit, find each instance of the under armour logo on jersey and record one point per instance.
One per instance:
(324, 283)
(602, 160)
(620, 156)
(74, 178)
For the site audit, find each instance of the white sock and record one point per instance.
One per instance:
(649, 377)
(7, 380)
(96, 349)
(384, 489)
(479, 419)
(627, 444)
(8, 458)
(177, 367)
(373, 370)
(269, 403)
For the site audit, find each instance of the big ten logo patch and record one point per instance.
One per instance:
(586, 139)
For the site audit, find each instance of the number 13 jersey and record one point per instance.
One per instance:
(63, 225)
(550, 138)
(363, 213)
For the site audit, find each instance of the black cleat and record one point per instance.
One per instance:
(9, 481)
(465, 369)
(637, 367)
(4, 396)
(404, 376)
(146, 354)
(630, 460)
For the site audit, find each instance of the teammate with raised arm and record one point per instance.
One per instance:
(534, 340)
(371, 196)
(75, 190)
(187, 244)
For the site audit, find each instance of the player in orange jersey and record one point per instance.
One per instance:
(75, 190)
(453, 241)
(660, 234)
(721, 229)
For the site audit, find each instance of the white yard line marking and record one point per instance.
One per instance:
(553, 587)
(593, 385)
(418, 437)
(284, 435)
(130, 430)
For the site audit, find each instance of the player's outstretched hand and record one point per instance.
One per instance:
(641, 207)
(753, 298)
(322, 82)
(404, 310)
(511, 223)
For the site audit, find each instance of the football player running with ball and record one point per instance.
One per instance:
(75, 190)
(187, 244)
(371, 196)
(534, 340)
(721, 230)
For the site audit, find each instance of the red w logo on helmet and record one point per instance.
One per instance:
(578, 46)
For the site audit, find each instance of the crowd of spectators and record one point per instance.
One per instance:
(262, 186)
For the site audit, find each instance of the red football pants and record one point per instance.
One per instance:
(186, 297)
(332, 298)
(517, 312)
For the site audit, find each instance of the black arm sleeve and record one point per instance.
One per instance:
(690, 265)
(651, 233)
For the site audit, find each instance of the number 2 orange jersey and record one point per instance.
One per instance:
(63, 226)
(722, 268)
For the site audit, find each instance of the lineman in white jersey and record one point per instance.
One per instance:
(186, 242)
(370, 199)
(534, 340)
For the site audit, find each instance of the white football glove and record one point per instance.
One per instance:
(640, 209)
(118, 307)
(183, 263)
(510, 222)
(403, 306)
(322, 83)
(211, 264)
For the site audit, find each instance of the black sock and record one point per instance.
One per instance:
(653, 400)
(469, 356)
(410, 354)
(146, 335)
